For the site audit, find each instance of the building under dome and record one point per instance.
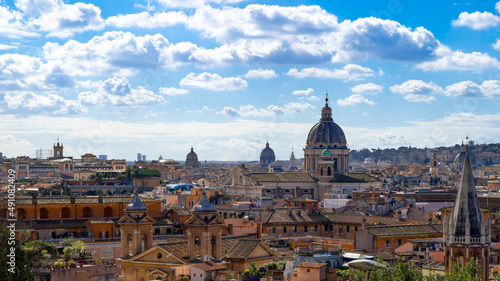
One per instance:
(267, 156)
(326, 134)
(192, 159)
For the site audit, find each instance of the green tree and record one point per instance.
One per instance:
(252, 270)
(467, 273)
(76, 249)
(22, 271)
(39, 252)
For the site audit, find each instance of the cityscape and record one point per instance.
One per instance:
(249, 140)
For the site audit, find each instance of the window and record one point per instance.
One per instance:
(315, 228)
(355, 228)
(287, 190)
(387, 243)
(399, 241)
(308, 270)
(340, 231)
(326, 227)
(306, 191)
(347, 229)
(305, 228)
(296, 204)
(331, 228)
(284, 229)
(274, 229)
(295, 229)
(303, 204)
(269, 191)
(191, 203)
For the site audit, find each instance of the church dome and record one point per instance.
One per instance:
(267, 155)
(326, 131)
(192, 159)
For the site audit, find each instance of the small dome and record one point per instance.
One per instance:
(136, 204)
(326, 152)
(204, 205)
(267, 155)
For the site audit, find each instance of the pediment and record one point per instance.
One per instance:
(261, 250)
(128, 219)
(194, 220)
(157, 254)
(159, 274)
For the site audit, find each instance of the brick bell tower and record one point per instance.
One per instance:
(466, 227)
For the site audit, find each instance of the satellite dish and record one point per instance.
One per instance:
(207, 258)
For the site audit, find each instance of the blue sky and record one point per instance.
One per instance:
(224, 76)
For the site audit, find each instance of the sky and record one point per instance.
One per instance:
(224, 76)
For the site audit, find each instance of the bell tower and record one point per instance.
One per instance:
(136, 228)
(466, 227)
(204, 231)
(58, 150)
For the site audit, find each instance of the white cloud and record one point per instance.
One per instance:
(458, 60)
(388, 139)
(213, 82)
(419, 98)
(146, 20)
(347, 73)
(270, 111)
(60, 19)
(25, 73)
(368, 88)
(172, 91)
(38, 103)
(497, 7)
(307, 92)
(195, 3)
(261, 73)
(420, 91)
(117, 91)
(496, 45)
(477, 20)
(355, 99)
(11, 25)
(114, 52)
(418, 87)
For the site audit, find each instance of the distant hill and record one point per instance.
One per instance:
(481, 155)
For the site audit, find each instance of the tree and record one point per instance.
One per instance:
(38, 252)
(252, 270)
(76, 249)
(22, 272)
(467, 273)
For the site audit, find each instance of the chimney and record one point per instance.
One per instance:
(399, 215)
(363, 223)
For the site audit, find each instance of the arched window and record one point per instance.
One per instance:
(44, 213)
(329, 172)
(321, 171)
(108, 212)
(65, 213)
(87, 212)
(66, 167)
(21, 213)
(107, 253)
(213, 241)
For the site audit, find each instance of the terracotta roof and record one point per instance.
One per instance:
(243, 248)
(209, 266)
(406, 230)
(78, 200)
(181, 212)
(280, 177)
(357, 219)
(292, 216)
(311, 264)
(177, 245)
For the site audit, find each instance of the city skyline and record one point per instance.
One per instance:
(225, 76)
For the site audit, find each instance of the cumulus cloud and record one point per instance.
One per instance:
(212, 81)
(458, 60)
(347, 73)
(146, 20)
(26, 73)
(389, 139)
(11, 24)
(477, 20)
(117, 91)
(307, 92)
(261, 73)
(38, 103)
(172, 91)
(420, 91)
(355, 99)
(195, 3)
(368, 88)
(60, 19)
(496, 45)
(114, 52)
(270, 111)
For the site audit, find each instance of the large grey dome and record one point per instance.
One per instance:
(326, 131)
(267, 155)
(192, 159)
